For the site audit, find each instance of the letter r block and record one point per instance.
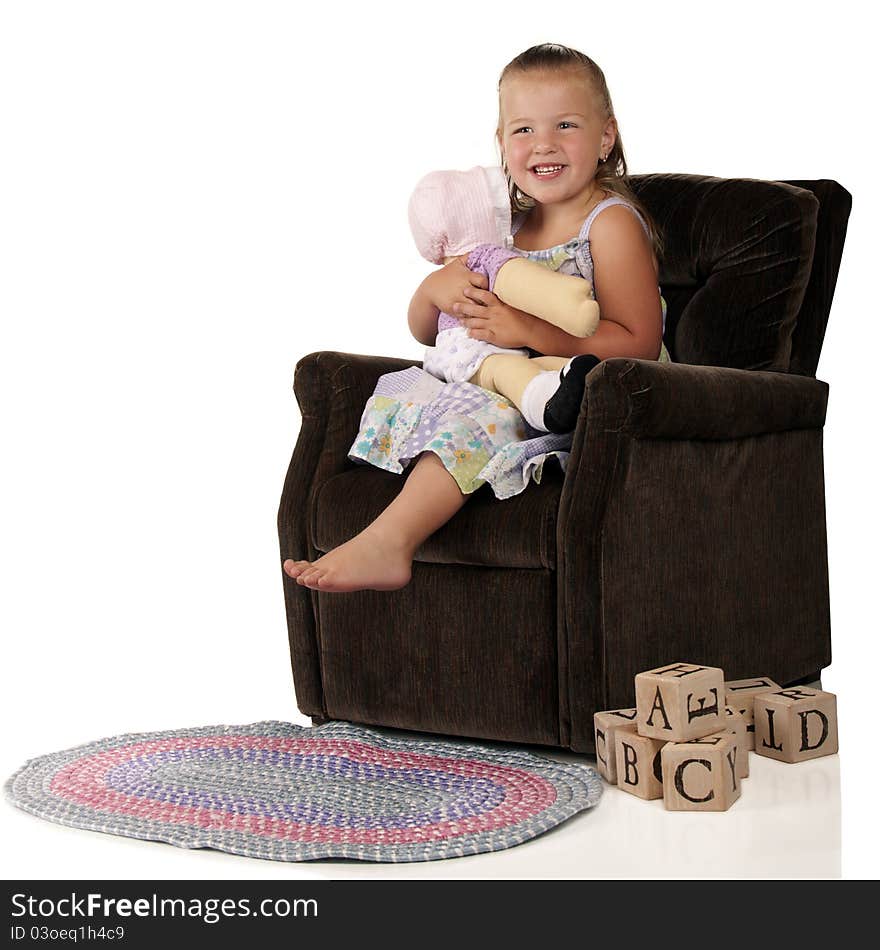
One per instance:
(638, 765)
(680, 701)
(796, 724)
(606, 725)
(700, 775)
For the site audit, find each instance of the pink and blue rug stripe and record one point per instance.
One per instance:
(281, 792)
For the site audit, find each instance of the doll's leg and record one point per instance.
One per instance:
(547, 390)
(509, 375)
(380, 557)
(514, 377)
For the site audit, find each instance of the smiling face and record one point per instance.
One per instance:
(552, 134)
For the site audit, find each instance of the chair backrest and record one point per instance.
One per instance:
(744, 284)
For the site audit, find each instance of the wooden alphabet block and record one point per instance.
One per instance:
(606, 726)
(796, 724)
(680, 701)
(740, 694)
(736, 723)
(700, 775)
(638, 765)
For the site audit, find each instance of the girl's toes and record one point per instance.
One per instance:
(311, 577)
(294, 568)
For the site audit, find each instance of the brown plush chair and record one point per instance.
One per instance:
(689, 525)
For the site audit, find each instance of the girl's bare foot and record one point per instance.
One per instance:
(367, 562)
(380, 557)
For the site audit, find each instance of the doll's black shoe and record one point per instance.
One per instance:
(564, 406)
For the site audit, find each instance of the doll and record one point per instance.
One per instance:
(454, 213)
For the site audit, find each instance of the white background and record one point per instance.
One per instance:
(197, 194)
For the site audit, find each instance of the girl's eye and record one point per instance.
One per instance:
(570, 124)
(525, 128)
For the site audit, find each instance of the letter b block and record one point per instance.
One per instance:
(796, 724)
(638, 765)
(700, 775)
(680, 701)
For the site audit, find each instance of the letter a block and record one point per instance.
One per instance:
(740, 694)
(638, 765)
(679, 702)
(796, 724)
(606, 725)
(700, 775)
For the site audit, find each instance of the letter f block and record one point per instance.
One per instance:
(607, 725)
(741, 696)
(680, 701)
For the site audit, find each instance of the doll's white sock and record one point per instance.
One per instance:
(536, 395)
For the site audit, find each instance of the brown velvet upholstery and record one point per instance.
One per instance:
(690, 524)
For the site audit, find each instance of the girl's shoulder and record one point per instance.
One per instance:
(612, 200)
(617, 231)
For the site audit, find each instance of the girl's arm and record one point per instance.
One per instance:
(440, 290)
(625, 283)
(423, 317)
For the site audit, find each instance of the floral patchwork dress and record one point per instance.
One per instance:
(478, 436)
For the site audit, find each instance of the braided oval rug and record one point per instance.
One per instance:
(282, 792)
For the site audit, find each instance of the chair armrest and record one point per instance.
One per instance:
(331, 389)
(331, 385)
(691, 525)
(651, 400)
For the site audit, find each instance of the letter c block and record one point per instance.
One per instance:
(701, 775)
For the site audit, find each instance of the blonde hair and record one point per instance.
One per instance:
(611, 175)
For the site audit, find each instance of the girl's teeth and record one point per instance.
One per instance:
(547, 169)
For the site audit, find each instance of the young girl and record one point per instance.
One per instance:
(564, 160)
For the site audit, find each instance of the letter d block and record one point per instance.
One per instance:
(700, 775)
(680, 701)
(796, 724)
(607, 724)
(638, 765)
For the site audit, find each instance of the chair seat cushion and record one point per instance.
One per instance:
(519, 532)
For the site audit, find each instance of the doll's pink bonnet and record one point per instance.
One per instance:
(451, 212)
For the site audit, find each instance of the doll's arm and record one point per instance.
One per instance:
(561, 299)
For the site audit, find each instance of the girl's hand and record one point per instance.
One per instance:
(446, 287)
(487, 318)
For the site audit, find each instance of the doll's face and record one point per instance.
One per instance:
(552, 135)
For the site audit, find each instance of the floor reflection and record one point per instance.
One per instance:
(786, 824)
